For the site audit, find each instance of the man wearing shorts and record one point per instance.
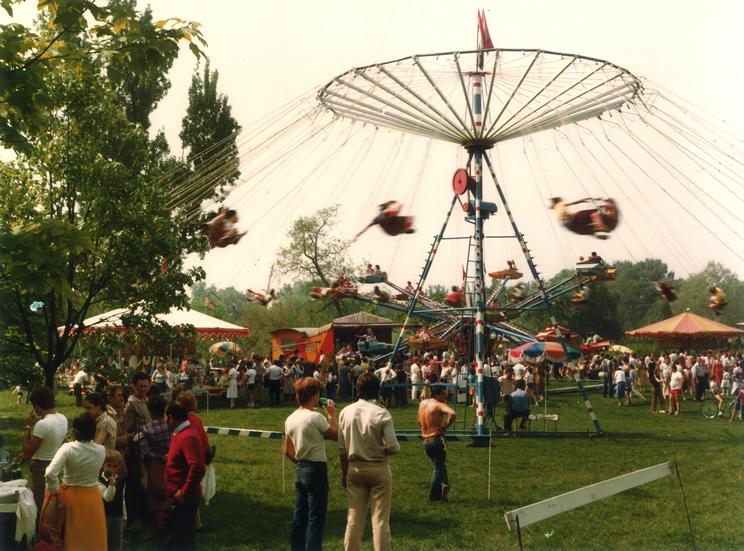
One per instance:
(675, 390)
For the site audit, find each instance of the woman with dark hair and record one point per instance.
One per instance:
(106, 428)
(80, 462)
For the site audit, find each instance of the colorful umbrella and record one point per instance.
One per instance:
(225, 347)
(543, 351)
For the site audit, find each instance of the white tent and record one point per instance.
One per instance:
(205, 325)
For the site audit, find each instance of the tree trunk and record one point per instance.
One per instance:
(49, 373)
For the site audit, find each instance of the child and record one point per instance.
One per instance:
(726, 383)
(111, 486)
(19, 393)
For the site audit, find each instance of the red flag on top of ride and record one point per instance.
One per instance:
(485, 36)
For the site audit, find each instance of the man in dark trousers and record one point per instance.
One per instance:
(184, 470)
(517, 406)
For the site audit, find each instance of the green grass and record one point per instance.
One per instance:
(254, 501)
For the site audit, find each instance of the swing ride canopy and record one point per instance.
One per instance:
(523, 91)
(686, 329)
(206, 326)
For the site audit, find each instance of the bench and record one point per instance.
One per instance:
(544, 417)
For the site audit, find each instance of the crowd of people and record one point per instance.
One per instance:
(671, 378)
(135, 460)
(138, 460)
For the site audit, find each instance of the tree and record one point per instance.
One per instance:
(313, 253)
(70, 33)
(140, 89)
(638, 302)
(208, 133)
(598, 315)
(693, 293)
(84, 221)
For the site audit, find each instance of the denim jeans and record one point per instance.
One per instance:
(437, 452)
(311, 504)
(607, 386)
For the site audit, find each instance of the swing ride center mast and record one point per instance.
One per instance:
(477, 99)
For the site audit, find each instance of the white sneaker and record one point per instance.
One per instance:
(662, 411)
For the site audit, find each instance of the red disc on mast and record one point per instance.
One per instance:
(460, 181)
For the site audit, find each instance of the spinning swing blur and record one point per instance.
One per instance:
(221, 230)
(588, 216)
(390, 221)
(262, 299)
(717, 301)
(667, 291)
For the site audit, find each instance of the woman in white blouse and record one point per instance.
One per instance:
(80, 462)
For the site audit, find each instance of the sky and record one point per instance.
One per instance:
(268, 53)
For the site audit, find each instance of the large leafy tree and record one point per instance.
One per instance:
(70, 32)
(85, 221)
(638, 302)
(693, 293)
(314, 252)
(141, 89)
(208, 133)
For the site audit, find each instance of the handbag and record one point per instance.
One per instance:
(51, 524)
(211, 451)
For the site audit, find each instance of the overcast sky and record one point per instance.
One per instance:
(270, 52)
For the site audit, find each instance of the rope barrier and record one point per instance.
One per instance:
(270, 434)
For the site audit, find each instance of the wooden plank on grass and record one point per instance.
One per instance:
(547, 508)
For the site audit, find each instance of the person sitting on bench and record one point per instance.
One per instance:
(517, 406)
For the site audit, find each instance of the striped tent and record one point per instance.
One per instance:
(687, 330)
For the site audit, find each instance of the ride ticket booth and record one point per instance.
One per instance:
(308, 343)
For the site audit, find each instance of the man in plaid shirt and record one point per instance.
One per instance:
(155, 436)
(137, 417)
(154, 441)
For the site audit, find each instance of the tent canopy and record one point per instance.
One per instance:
(686, 325)
(205, 325)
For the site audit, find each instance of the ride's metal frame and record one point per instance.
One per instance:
(394, 103)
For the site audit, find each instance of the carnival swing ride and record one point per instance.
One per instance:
(481, 100)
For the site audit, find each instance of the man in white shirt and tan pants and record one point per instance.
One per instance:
(42, 437)
(366, 437)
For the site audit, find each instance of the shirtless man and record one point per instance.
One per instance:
(430, 417)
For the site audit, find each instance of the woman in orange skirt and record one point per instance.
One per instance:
(80, 462)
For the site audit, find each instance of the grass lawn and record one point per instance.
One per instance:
(255, 495)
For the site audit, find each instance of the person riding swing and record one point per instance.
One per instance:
(598, 220)
(390, 221)
(221, 230)
(262, 299)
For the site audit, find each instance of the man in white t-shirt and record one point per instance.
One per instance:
(675, 390)
(305, 431)
(80, 378)
(275, 384)
(415, 379)
(518, 372)
(42, 438)
(250, 381)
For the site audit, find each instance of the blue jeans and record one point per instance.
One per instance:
(437, 452)
(311, 504)
(607, 386)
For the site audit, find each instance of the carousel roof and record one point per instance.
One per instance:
(686, 324)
